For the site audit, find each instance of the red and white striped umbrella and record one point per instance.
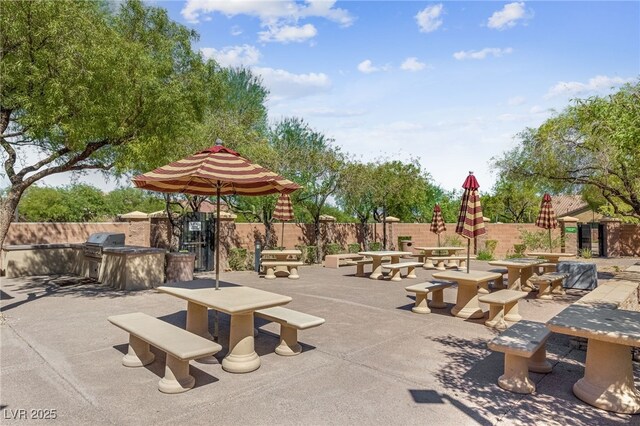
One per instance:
(215, 171)
(283, 212)
(547, 216)
(470, 220)
(437, 223)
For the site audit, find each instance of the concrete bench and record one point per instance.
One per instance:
(395, 269)
(547, 267)
(290, 322)
(180, 345)
(452, 261)
(548, 284)
(422, 290)
(498, 284)
(614, 295)
(291, 265)
(524, 347)
(359, 264)
(336, 260)
(503, 306)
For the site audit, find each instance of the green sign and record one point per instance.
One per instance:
(571, 229)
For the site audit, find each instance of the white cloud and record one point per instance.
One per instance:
(233, 56)
(329, 112)
(285, 85)
(516, 100)
(507, 17)
(367, 67)
(288, 33)
(269, 12)
(429, 18)
(481, 54)
(599, 84)
(412, 64)
(236, 30)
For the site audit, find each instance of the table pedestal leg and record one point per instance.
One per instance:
(428, 263)
(242, 357)
(525, 274)
(421, 306)
(544, 290)
(608, 378)
(440, 266)
(513, 279)
(198, 323)
(467, 305)
(376, 268)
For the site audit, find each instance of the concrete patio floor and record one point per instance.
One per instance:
(372, 362)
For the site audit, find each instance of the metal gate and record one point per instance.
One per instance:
(591, 237)
(198, 237)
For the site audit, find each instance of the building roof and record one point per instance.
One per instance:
(566, 205)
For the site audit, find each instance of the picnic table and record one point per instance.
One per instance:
(519, 272)
(608, 374)
(428, 252)
(467, 304)
(550, 258)
(283, 257)
(377, 257)
(237, 301)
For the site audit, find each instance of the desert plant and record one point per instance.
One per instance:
(534, 240)
(308, 253)
(375, 246)
(484, 255)
(332, 248)
(490, 246)
(453, 240)
(353, 248)
(586, 253)
(238, 259)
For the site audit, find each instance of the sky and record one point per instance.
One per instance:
(449, 83)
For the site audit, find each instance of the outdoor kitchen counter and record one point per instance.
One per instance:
(132, 267)
(42, 259)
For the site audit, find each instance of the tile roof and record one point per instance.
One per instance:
(565, 205)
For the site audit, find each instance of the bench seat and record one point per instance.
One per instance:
(180, 345)
(291, 265)
(290, 322)
(452, 261)
(498, 283)
(524, 347)
(395, 269)
(503, 306)
(359, 264)
(548, 284)
(422, 290)
(336, 260)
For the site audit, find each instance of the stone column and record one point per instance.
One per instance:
(611, 236)
(139, 228)
(569, 233)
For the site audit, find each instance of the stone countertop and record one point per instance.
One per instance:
(42, 246)
(134, 250)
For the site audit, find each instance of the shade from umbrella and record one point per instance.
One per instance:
(547, 217)
(215, 171)
(283, 211)
(437, 223)
(470, 220)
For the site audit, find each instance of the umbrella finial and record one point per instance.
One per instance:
(219, 142)
(470, 172)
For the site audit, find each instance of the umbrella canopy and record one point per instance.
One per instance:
(470, 220)
(437, 223)
(215, 171)
(283, 211)
(547, 216)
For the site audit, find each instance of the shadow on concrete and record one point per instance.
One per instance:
(424, 396)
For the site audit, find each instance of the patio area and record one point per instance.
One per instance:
(372, 362)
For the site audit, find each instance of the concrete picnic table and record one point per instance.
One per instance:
(377, 257)
(608, 373)
(428, 252)
(467, 304)
(240, 303)
(281, 255)
(550, 257)
(519, 270)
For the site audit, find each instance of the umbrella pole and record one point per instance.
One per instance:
(468, 253)
(438, 240)
(550, 246)
(282, 237)
(215, 318)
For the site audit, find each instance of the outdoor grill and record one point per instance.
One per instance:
(97, 242)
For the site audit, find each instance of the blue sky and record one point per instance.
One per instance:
(450, 83)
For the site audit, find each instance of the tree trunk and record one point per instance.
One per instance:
(8, 208)
(316, 234)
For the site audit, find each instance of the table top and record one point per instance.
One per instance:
(516, 263)
(609, 325)
(472, 276)
(439, 248)
(384, 253)
(231, 300)
(548, 254)
(283, 252)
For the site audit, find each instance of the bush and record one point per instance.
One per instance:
(375, 246)
(353, 248)
(238, 259)
(586, 253)
(484, 255)
(535, 240)
(453, 240)
(490, 245)
(332, 248)
(487, 252)
(308, 253)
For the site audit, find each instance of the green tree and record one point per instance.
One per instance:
(512, 201)
(92, 90)
(355, 194)
(594, 144)
(125, 200)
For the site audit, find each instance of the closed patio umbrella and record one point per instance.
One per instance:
(215, 171)
(283, 212)
(437, 223)
(470, 220)
(547, 217)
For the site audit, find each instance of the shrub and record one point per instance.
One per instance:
(490, 245)
(332, 248)
(238, 259)
(518, 250)
(353, 248)
(484, 255)
(535, 240)
(308, 253)
(586, 253)
(375, 246)
(453, 240)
